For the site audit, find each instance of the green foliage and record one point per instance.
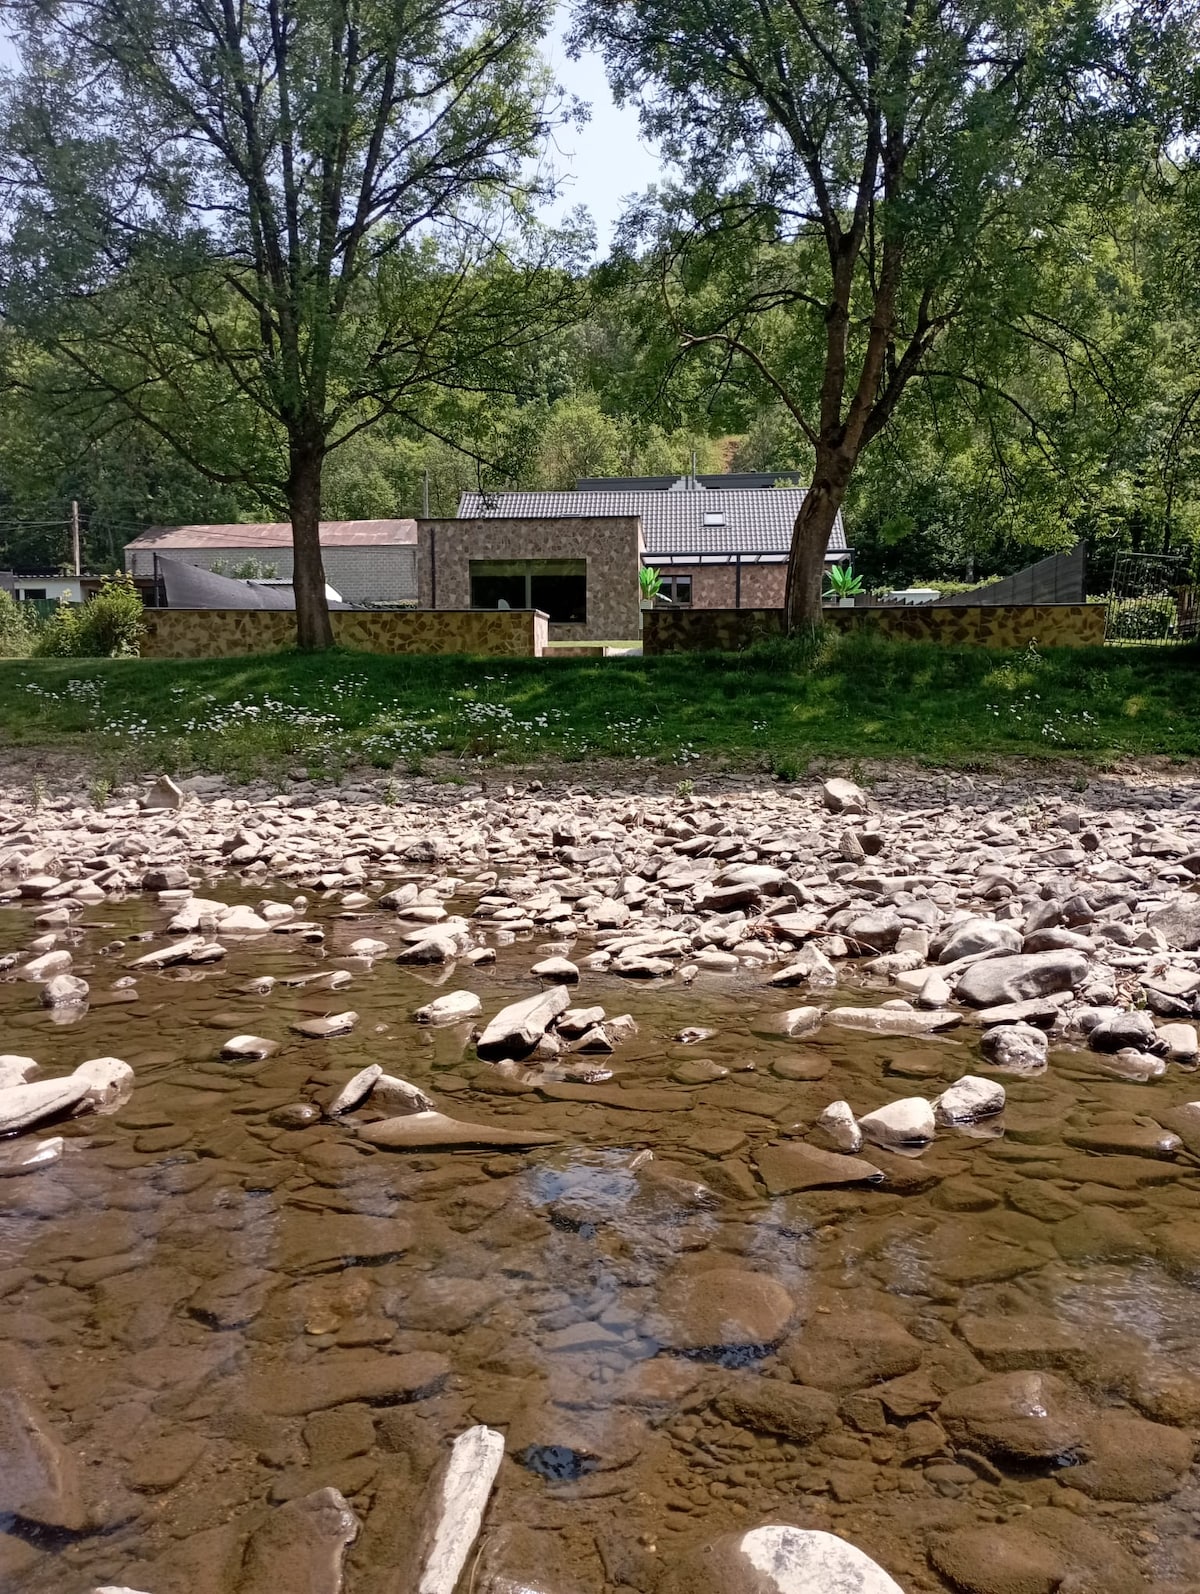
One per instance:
(781, 705)
(108, 626)
(1142, 619)
(649, 583)
(843, 583)
(247, 570)
(18, 629)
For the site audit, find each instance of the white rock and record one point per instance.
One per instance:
(839, 1126)
(458, 1506)
(907, 1122)
(248, 1046)
(391, 1091)
(452, 1008)
(15, 1070)
(41, 969)
(241, 921)
(65, 990)
(516, 1029)
(366, 947)
(355, 1090)
(1021, 1048)
(889, 1020)
(557, 969)
(968, 1099)
(778, 1560)
(844, 797)
(107, 1082)
(22, 1106)
(164, 794)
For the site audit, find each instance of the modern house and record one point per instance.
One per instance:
(367, 561)
(718, 542)
(41, 586)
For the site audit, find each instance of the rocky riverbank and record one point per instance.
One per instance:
(1014, 930)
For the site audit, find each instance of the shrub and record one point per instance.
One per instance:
(1142, 619)
(108, 626)
(18, 628)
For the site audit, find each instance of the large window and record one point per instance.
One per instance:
(556, 586)
(675, 592)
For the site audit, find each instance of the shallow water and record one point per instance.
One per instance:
(219, 1313)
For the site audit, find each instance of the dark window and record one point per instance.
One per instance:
(34, 594)
(676, 592)
(556, 586)
(497, 592)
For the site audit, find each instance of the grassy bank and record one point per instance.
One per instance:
(774, 707)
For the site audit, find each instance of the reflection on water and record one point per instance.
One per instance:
(217, 1306)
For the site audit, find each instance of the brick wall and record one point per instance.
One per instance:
(361, 575)
(610, 545)
(232, 633)
(1069, 625)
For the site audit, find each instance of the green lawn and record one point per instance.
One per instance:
(773, 707)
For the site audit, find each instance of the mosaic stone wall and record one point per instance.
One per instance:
(230, 633)
(1059, 625)
(610, 544)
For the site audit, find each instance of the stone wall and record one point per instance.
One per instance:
(610, 544)
(716, 586)
(1059, 625)
(230, 633)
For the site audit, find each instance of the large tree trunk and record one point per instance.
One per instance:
(810, 539)
(313, 630)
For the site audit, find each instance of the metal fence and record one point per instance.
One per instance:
(1151, 600)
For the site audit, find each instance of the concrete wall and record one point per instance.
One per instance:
(232, 633)
(610, 544)
(1069, 625)
(361, 575)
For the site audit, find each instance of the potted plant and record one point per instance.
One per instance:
(649, 584)
(844, 586)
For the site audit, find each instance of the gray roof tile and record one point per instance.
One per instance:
(756, 520)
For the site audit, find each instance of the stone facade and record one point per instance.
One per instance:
(1059, 625)
(231, 633)
(361, 575)
(610, 545)
(716, 586)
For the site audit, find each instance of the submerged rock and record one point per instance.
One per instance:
(1023, 1416)
(1015, 1048)
(778, 1560)
(796, 1166)
(39, 1477)
(300, 1547)
(27, 1157)
(323, 1028)
(722, 1308)
(431, 1129)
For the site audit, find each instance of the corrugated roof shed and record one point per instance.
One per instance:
(708, 521)
(278, 534)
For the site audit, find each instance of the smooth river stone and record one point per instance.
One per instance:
(248, 1046)
(724, 1307)
(39, 1478)
(21, 1106)
(452, 1008)
(300, 1547)
(778, 1560)
(893, 1020)
(433, 1129)
(28, 1157)
(323, 1239)
(16, 1070)
(337, 1376)
(800, 1167)
(322, 1028)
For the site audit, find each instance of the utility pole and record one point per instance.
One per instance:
(75, 537)
(425, 497)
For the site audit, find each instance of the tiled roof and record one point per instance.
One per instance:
(278, 534)
(755, 520)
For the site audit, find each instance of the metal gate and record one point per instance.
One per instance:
(1151, 601)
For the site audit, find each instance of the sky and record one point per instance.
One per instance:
(606, 161)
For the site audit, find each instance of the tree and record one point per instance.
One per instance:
(260, 227)
(858, 177)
